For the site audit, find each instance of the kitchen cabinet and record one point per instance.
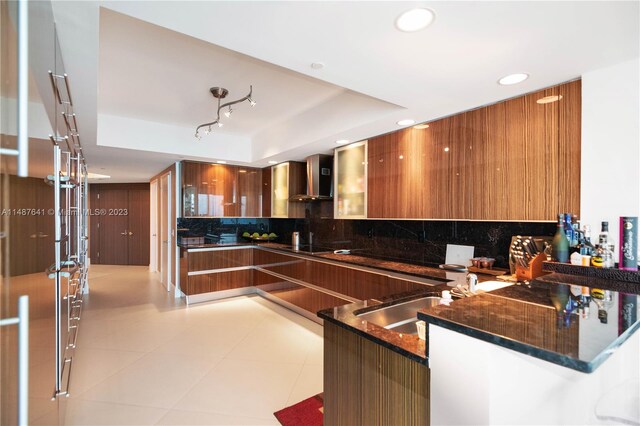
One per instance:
(249, 192)
(219, 196)
(287, 179)
(217, 269)
(351, 181)
(366, 383)
(266, 192)
(218, 190)
(514, 160)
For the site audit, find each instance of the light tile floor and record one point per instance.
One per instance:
(143, 357)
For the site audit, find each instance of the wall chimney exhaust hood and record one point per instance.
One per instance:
(319, 179)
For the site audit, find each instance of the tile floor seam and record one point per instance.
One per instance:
(195, 384)
(108, 377)
(294, 384)
(212, 412)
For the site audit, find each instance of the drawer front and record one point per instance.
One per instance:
(309, 299)
(220, 259)
(229, 280)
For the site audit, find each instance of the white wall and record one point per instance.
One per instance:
(610, 173)
(475, 382)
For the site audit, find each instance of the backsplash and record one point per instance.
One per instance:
(414, 241)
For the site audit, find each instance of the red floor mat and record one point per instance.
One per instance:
(304, 413)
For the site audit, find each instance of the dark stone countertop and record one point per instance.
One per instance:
(576, 326)
(409, 345)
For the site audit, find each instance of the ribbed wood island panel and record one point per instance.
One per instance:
(368, 384)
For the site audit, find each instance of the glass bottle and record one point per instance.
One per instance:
(606, 241)
(598, 257)
(568, 228)
(560, 244)
(585, 247)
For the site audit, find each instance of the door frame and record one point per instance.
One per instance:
(153, 225)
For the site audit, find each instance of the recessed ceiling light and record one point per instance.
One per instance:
(406, 122)
(415, 20)
(513, 79)
(221, 162)
(317, 65)
(273, 162)
(342, 141)
(421, 126)
(549, 99)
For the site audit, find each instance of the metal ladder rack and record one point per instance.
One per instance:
(70, 270)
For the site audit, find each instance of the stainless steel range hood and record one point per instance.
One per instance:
(319, 179)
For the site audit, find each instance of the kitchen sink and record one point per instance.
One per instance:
(401, 317)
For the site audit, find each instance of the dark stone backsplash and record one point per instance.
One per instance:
(412, 241)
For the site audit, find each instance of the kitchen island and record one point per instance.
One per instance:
(520, 354)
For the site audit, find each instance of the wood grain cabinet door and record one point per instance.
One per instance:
(249, 199)
(222, 190)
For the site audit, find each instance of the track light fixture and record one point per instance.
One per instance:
(220, 93)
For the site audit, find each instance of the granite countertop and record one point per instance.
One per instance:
(576, 326)
(409, 345)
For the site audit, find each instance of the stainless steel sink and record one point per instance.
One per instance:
(401, 317)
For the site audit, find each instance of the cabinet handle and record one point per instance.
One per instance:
(124, 233)
(22, 149)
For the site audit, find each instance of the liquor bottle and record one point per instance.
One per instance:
(598, 257)
(585, 302)
(560, 244)
(605, 240)
(575, 224)
(603, 299)
(585, 247)
(568, 228)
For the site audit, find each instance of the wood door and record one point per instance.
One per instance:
(112, 226)
(249, 195)
(138, 226)
(23, 226)
(121, 224)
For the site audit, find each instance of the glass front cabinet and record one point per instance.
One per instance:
(280, 190)
(350, 201)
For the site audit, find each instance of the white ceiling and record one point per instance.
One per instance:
(149, 77)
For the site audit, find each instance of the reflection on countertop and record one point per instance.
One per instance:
(570, 325)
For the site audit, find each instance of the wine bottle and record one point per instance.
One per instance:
(560, 244)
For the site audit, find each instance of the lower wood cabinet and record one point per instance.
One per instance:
(307, 283)
(309, 299)
(368, 384)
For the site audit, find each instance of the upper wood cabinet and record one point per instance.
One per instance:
(266, 192)
(217, 190)
(351, 181)
(514, 160)
(249, 192)
(287, 179)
